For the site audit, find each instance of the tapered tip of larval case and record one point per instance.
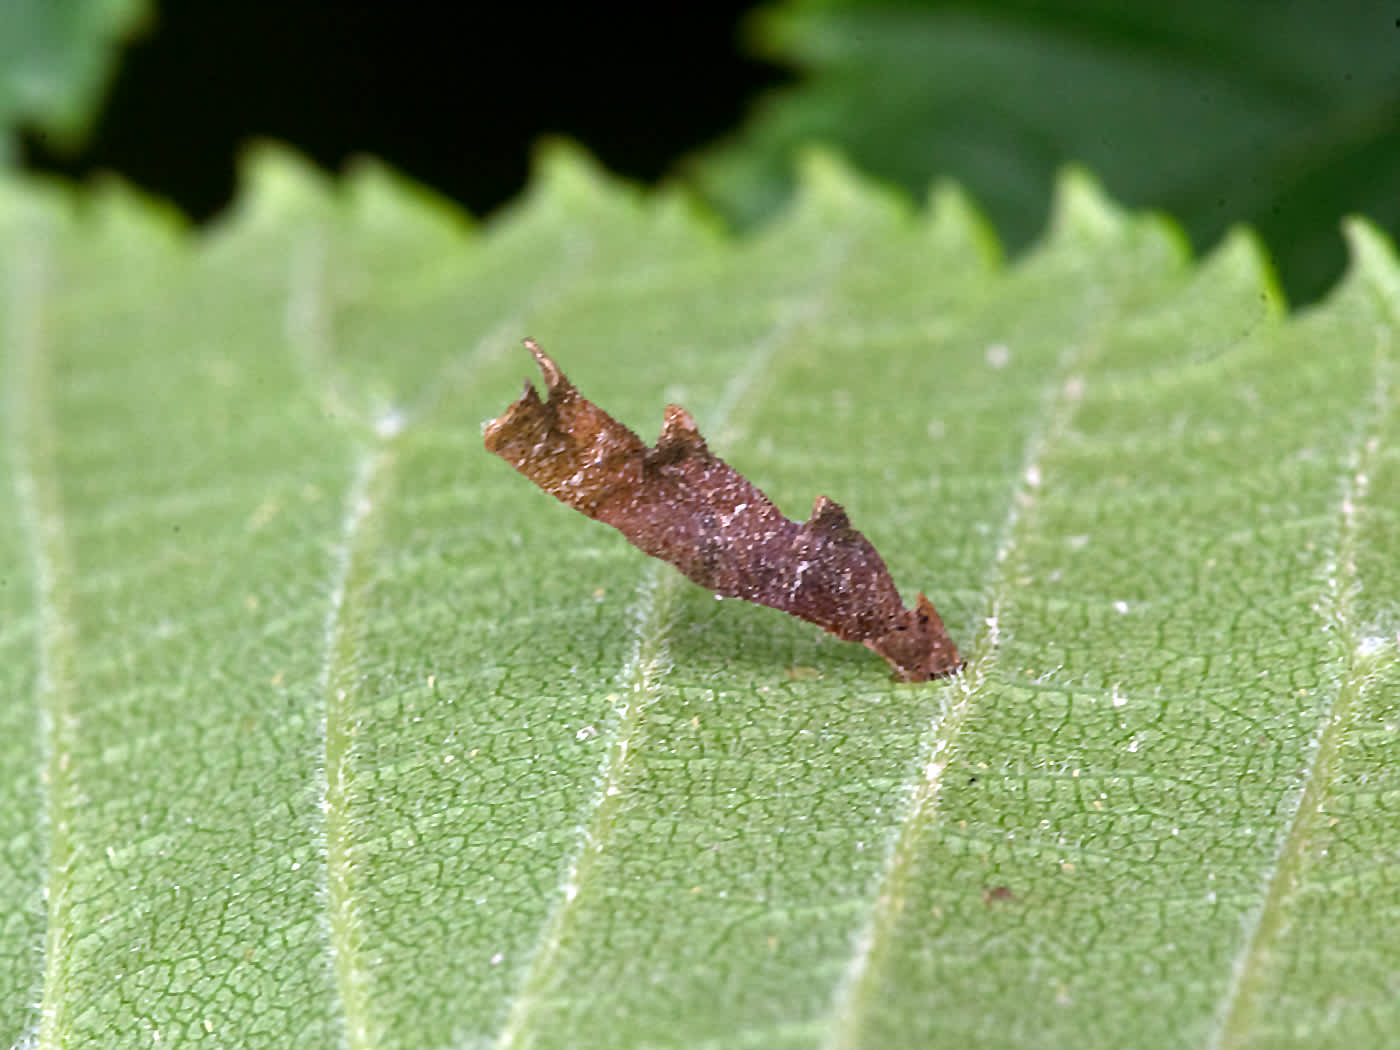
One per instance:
(553, 377)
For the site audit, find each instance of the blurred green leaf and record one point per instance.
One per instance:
(55, 57)
(322, 726)
(1284, 116)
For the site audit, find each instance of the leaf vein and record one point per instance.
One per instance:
(856, 991)
(1235, 1014)
(649, 663)
(39, 500)
(308, 328)
(351, 578)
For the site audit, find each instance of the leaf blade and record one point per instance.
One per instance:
(1252, 115)
(353, 724)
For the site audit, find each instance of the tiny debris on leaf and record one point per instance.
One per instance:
(992, 894)
(679, 502)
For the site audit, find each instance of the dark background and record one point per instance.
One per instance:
(1280, 116)
(453, 95)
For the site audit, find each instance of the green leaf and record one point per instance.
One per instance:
(1280, 116)
(324, 727)
(54, 60)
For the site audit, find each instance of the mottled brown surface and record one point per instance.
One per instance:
(681, 503)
